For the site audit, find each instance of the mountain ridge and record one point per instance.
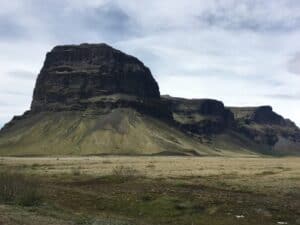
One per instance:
(104, 100)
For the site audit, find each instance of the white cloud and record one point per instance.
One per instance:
(243, 52)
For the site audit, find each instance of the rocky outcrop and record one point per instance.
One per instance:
(260, 115)
(95, 76)
(265, 126)
(200, 116)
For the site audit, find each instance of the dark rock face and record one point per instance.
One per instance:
(261, 135)
(264, 126)
(260, 115)
(200, 116)
(265, 115)
(75, 76)
(96, 80)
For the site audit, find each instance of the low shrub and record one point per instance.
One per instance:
(107, 162)
(16, 188)
(125, 173)
(76, 171)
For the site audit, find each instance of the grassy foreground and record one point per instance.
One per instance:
(149, 190)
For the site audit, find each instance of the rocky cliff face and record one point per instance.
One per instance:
(260, 115)
(264, 126)
(200, 116)
(94, 78)
(77, 77)
(205, 118)
(94, 99)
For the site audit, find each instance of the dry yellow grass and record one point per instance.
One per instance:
(260, 174)
(157, 190)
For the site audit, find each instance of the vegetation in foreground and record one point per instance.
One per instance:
(137, 191)
(16, 188)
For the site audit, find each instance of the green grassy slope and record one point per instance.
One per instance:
(123, 131)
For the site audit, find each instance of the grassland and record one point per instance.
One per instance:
(123, 131)
(154, 190)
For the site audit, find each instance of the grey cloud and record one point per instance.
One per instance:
(231, 75)
(295, 97)
(294, 64)
(251, 15)
(265, 80)
(11, 29)
(227, 22)
(63, 23)
(162, 29)
(110, 21)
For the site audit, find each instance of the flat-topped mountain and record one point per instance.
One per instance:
(73, 75)
(94, 99)
(94, 76)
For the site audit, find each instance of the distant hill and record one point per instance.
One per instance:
(92, 99)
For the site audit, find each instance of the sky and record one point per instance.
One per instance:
(242, 52)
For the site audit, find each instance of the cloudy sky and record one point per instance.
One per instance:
(243, 52)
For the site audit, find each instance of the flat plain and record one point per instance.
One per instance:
(154, 190)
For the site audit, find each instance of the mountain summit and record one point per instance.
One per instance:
(94, 99)
(94, 76)
(72, 75)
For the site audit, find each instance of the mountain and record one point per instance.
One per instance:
(255, 129)
(264, 126)
(92, 99)
(95, 76)
(200, 116)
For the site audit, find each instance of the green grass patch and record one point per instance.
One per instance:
(16, 188)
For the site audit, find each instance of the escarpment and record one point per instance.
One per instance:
(95, 76)
(264, 126)
(94, 99)
(200, 116)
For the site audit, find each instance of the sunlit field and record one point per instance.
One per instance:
(151, 190)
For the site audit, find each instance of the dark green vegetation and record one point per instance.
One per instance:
(92, 99)
(16, 188)
(127, 197)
